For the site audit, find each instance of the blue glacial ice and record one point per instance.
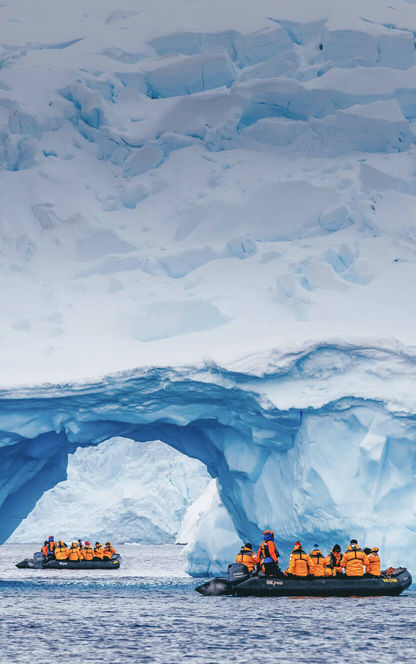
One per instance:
(312, 444)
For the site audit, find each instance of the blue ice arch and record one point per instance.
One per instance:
(310, 442)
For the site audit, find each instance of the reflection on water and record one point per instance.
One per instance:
(148, 612)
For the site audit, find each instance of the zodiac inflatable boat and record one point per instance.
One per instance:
(38, 562)
(240, 582)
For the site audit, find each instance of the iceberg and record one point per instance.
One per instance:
(317, 444)
(208, 239)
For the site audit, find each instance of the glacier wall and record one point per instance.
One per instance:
(223, 180)
(146, 163)
(312, 443)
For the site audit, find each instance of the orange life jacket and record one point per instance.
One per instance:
(61, 553)
(44, 550)
(98, 552)
(354, 561)
(267, 550)
(247, 557)
(333, 563)
(318, 561)
(75, 553)
(88, 553)
(374, 566)
(300, 563)
(108, 551)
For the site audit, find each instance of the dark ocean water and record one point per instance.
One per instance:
(148, 611)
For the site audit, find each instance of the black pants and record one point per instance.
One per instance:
(271, 569)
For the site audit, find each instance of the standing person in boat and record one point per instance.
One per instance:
(374, 567)
(98, 551)
(318, 560)
(75, 555)
(354, 560)
(333, 562)
(61, 552)
(300, 564)
(88, 551)
(108, 551)
(268, 555)
(51, 546)
(247, 557)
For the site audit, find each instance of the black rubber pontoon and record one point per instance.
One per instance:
(240, 582)
(38, 562)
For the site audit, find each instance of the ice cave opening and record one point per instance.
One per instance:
(118, 490)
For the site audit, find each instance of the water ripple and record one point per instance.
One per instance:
(131, 617)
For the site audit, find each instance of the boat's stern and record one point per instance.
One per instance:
(214, 587)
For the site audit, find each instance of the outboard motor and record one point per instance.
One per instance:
(38, 560)
(237, 572)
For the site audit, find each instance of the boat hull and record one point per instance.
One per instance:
(262, 586)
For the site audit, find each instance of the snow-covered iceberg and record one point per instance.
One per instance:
(212, 214)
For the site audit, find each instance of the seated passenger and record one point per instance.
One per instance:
(318, 560)
(108, 550)
(45, 549)
(374, 567)
(333, 562)
(246, 557)
(80, 545)
(268, 555)
(98, 551)
(354, 560)
(75, 555)
(300, 563)
(61, 552)
(88, 552)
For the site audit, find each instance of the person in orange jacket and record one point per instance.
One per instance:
(51, 545)
(354, 560)
(45, 549)
(98, 551)
(300, 564)
(333, 562)
(88, 551)
(268, 555)
(374, 567)
(318, 560)
(75, 553)
(247, 557)
(61, 551)
(108, 550)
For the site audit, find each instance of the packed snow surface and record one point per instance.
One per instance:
(120, 491)
(183, 180)
(218, 201)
